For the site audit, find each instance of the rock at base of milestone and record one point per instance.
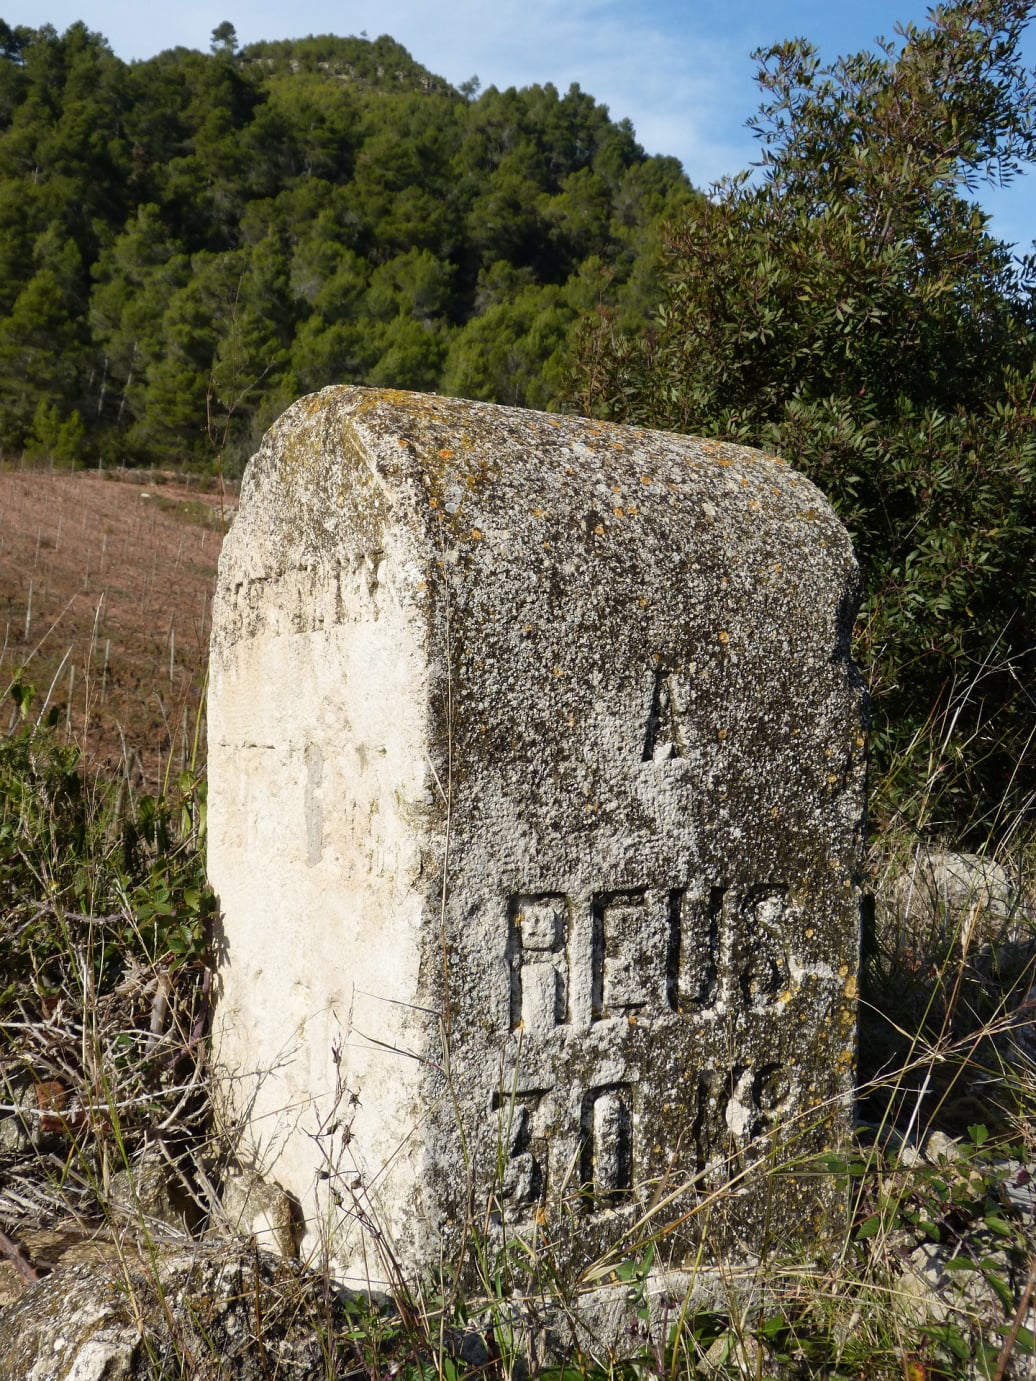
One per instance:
(536, 764)
(225, 1312)
(955, 900)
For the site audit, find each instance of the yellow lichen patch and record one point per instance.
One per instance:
(722, 733)
(446, 453)
(852, 988)
(646, 479)
(724, 637)
(476, 536)
(619, 513)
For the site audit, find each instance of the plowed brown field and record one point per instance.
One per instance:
(106, 587)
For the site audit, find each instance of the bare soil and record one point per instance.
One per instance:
(106, 584)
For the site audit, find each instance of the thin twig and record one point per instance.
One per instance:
(1016, 1324)
(16, 1253)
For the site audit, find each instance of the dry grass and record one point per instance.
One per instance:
(106, 587)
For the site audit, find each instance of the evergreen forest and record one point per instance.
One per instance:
(189, 243)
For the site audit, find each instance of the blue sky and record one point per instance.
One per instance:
(681, 70)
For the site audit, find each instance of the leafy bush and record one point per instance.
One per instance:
(67, 845)
(852, 312)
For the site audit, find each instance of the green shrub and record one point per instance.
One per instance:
(852, 313)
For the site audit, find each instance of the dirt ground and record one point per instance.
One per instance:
(106, 584)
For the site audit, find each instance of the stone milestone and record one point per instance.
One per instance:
(536, 797)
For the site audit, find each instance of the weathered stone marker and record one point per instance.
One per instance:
(536, 793)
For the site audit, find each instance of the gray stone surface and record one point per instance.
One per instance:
(255, 1208)
(225, 1312)
(536, 797)
(955, 901)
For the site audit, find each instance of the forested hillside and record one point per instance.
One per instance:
(189, 243)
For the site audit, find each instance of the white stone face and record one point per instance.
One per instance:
(536, 773)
